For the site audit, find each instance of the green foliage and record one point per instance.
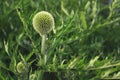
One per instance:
(84, 46)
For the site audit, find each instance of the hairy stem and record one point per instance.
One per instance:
(43, 48)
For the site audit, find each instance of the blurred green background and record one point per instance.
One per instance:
(87, 38)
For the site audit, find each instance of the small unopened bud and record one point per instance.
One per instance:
(32, 77)
(43, 22)
(21, 67)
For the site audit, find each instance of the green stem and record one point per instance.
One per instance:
(43, 48)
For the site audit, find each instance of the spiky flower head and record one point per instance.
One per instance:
(43, 22)
(21, 67)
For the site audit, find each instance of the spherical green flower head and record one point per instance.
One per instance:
(20, 67)
(43, 22)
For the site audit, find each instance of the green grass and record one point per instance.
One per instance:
(85, 44)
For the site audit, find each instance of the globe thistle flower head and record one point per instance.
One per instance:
(43, 22)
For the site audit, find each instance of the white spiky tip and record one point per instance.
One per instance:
(43, 22)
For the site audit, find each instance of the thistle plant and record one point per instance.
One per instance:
(43, 23)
